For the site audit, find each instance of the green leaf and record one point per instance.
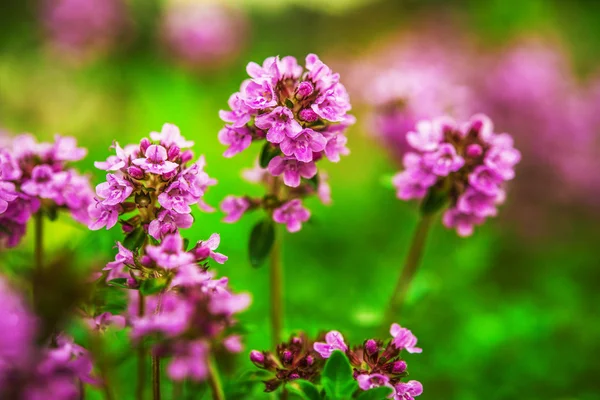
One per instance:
(152, 286)
(306, 390)
(262, 238)
(186, 243)
(314, 182)
(380, 393)
(337, 377)
(135, 239)
(118, 282)
(434, 201)
(267, 153)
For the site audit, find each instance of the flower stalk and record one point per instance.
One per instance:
(156, 377)
(276, 284)
(214, 380)
(141, 370)
(411, 265)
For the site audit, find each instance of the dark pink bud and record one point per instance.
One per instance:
(308, 115)
(144, 144)
(371, 347)
(399, 367)
(169, 175)
(132, 283)
(296, 340)
(293, 376)
(186, 156)
(309, 360)
(127, 228)
(257, 357)
(145, 260)
(474, 150)
(173, 152)
(305, 89)
(287, 357)
(135, 172)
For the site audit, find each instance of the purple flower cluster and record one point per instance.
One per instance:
(29, 371)
(374, 364)
(378, 365)
(302, 114)
(467, 163)
(35, 177)
(203, 35)
(155, 179)
(83, 28)
(192, 311)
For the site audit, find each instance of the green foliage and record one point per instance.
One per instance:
(153, 285)
(135, 239)
(434, 201)
(337, 377)
(379, 393)
(261, 241)
(306, 390)
(267, 153)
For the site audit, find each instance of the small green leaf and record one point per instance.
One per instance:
(434, 201)
(337, 378)
(262, 238)
(314, 181)
(306, 390)
(135, 239)
(152, 286)
(186, 243)
(118, 282)
(380, 393)
(267, 153)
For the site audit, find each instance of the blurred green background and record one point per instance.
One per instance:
(504, 314)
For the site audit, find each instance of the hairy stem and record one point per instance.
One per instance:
(156, 377)
(141, 368)
(214, 380)
(411, 264)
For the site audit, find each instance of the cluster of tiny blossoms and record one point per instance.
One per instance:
(35, 177)
(30, 371)
(191, 314)
(467, 163)
(302, 114)
(374, 363)
(153, 178)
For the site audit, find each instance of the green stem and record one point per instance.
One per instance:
(141, 369)
(156, 377)
(276, 283)
(411, 264)
(214, 380)
(97, 347)
(39, 240)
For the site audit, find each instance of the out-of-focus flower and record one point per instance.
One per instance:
(203, 35)
(36, 177)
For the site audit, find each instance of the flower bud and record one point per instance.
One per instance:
(144, 144)
(371, 347)
(127, 228)
(257, 357)
(308, 115)
(399, 367)
(135, 172)
(173, 152)
(293, 376)
(287, 357)
(186, 156)
(474, 150)
(305, 88)
(309, 360)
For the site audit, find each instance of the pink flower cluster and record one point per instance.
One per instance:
(83, 28)
(467, 163)
(35, 177)
(203, 35)
(191, 312)
(29, 371)
(302, 114)
(377, 365)
(155, 179)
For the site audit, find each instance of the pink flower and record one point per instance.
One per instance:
(366, 381)
(234, 208)
(478, 203)
(206, 249)
(279, 124)
(462, 222)
(333, 341)
(168, 222)
(7, 194)
(238, 139)
(104, 320)
(240, 113)
(189, 361)
(170, 253)
(292, 214)
(486, 180)
(427, 136)
(259, 94)
(404, 339)
(408, 390)
(102, 215)
(114, 191)
(123, 257)
(407, 187)
(291, 169)
(336, 147)
(171, 135)
(65, 149)
(303, 145)
(177, 198)
(444, 160)
(41, 183)
(156, 161)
